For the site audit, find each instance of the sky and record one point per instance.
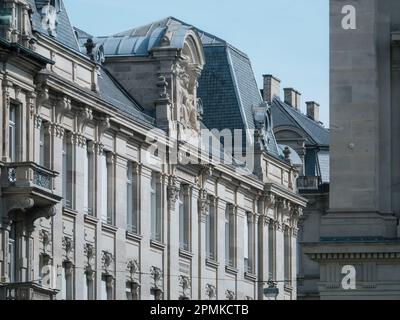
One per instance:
(286, 38)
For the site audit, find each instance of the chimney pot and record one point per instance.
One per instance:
(272, 88)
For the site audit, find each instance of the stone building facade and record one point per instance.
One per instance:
(361, 228)
(89, 210)
(308, 140)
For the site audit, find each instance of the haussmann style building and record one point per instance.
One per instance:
(88, 212)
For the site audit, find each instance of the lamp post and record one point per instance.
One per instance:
(271, 292)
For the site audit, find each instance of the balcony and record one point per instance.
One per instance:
(26, 291)
(26, 185)
(307, 184)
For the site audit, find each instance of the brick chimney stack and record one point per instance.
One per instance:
(313, 110)
(272, 88)
(292, 97)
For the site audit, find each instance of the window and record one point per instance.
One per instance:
(132, 197)
(13, 133)
(249, 243)
(12, 255)
(88, 180)
(211, 232)
(271, 252)
(107, 187)
(67, 281)
(230, 236)
(156, 222)
(68, 174)
(287, 256)
(44, 146)
(106, 287)
(184, 218)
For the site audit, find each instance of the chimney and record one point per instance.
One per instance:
(272, 88)
(313, 110)
(292, 97)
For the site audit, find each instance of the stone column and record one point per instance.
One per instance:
(263, 254)
(203, 212)
(195, 241)
(56, 159)
(280, 259)
(145, 227)
(220, 218)
(294, 234)
(121, 224)
(6, 86)
(4, 254)
(240, 221)
(172, 228)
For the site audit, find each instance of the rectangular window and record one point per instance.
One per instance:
(107, 188)
(44, 146)
(211, 232)
(271, 252)
(287, 257)
(88, 180)
(68, 174)
(132, 197)
(12, 255)
(184, 218)
(156, 222)
(230, 236)
(249, 243)
(13, 133)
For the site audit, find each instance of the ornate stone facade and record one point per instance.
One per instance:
(101, 218)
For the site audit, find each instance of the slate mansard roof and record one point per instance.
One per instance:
(109, 89)
(227, 87)
(317, 136)
(285, 115)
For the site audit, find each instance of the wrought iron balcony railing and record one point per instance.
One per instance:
(28, 175)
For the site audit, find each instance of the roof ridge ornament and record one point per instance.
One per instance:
(95, 52)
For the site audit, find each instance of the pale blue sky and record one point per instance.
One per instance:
(286, 38)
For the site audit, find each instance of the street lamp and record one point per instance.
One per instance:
(272, 291)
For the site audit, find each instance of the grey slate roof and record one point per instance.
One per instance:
(109, 89)
(112, 92)
(227, 87)
(65, 32)
(140, 41)
(317, 137)
(285, 115)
